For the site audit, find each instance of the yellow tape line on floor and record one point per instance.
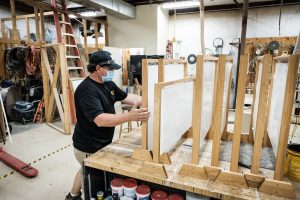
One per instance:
(37, 160)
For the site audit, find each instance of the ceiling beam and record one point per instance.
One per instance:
(230, 7)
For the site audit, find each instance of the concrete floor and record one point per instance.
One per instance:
(56, 172)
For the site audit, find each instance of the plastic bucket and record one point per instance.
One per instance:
(143, 192)
(129, 187)
(292, 166)
(175, 197)
(159, 195)
(117, 186)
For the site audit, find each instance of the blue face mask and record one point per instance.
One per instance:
(109, 76)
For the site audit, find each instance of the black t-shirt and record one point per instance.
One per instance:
(91, 99)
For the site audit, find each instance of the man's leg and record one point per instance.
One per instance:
(77, 183)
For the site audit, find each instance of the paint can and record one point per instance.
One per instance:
(129, 187)
(159, 195)
(125, 198)
(100, 195)
(117, 187)
(143, 192)
(292, 164)
(175, 197)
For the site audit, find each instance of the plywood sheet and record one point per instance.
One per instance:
(227, 82)
(257, 91)
(176, 113)
(277, 99)
(207, 97)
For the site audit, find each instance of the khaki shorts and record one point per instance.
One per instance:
(80, 156)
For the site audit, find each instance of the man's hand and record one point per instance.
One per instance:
(139, 114)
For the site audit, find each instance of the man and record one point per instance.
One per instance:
(96, 117)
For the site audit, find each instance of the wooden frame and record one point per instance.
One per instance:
(157, 156)
(219, 107)
(293, 63)
(267, 184)
(239, 111)
(144, 153)
(198, 104)
(53, 88)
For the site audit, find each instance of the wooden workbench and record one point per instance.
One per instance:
(116, 158)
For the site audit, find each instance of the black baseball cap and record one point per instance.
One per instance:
(102, 58)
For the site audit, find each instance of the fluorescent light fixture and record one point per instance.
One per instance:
(72, 16)
(181, 5)
(88, 14)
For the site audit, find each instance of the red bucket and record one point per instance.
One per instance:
(175, 197)
(143, 192)
(129, 187)
(159, 195)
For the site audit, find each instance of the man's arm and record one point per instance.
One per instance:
(111, 120)
(133, 99)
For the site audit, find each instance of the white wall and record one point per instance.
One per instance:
(262, 22)
(162, 30)
(135, 33)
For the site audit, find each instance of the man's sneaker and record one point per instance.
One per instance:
(77, 197)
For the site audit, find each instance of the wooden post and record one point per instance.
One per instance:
(286, 116)
(42, 21)
(156, 137)
(239, 111)
(65, 88)
(84, 33)
(244, 26)
(261, 114)
(14, 20)
(106, 35)
(224, 134)
(211, 130)
(197, 106)
(28, 30)
(37, 24)
(145, 102)
(218, 111)
(45, 85)
(96, 35)
(185, 70)
(161, 71)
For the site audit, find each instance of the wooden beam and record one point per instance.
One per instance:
(14, 21)
(27, 29)
(227, 104)
(145, 102)
(261, 114)
(45, 84)
(47, 6)
(218, 111)
(197, 107)
(84, 34)
(156, 129)
(239, 111)
(244, 26)
(286, 116)
(65, 88)
(106, 35)
(42, 21)
(161, 71)
(37, 24)
(96, 35)
(25, 16)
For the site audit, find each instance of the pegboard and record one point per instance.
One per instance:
(285, 45)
